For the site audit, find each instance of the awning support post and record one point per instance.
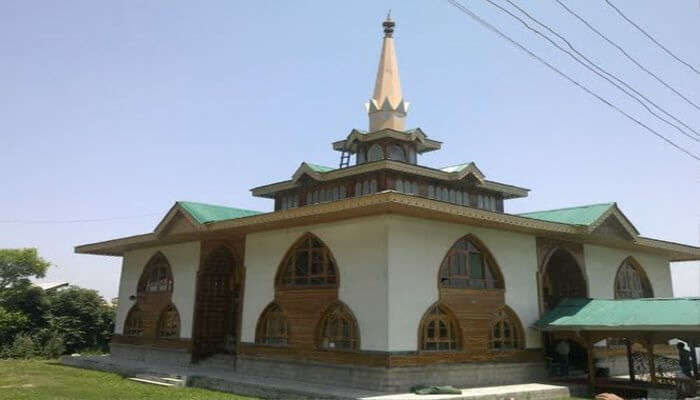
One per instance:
(591, 364)
(652, 366)
(630, 361)
(693, 358)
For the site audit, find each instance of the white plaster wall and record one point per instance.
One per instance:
(359, 247)
(416, 249)
(184, 262)
(602, 264)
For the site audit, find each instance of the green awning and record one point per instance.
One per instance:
(657, 314)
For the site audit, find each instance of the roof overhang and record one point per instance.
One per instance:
(423, 144)
(384, 203)
(469, 172)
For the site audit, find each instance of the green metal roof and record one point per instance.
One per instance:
(319, 168)
(205, 213)
(598, 314)
(455, 168)
(584, 215)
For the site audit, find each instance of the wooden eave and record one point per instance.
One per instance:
(391, 202)
(416, 135)
(508, 191)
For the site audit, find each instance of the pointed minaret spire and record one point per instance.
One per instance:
(386, 108)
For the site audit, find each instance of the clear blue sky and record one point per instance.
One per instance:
(120, 108)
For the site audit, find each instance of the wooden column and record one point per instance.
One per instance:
(693, 358)
(630, 362)
(652, 364)
(591, 365)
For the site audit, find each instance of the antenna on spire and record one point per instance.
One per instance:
(388, 25)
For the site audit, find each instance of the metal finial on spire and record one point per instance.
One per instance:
(388, 25)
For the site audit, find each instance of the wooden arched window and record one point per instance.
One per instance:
(338, 329)
(273, 327)
(133, 326)
(157, 276)
(375, 153)
(397, 153)
(469, 265)
(506, 331)
(309, 263)
(439, 330)
(169, 323)
(631, 281)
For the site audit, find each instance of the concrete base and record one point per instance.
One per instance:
(149, 354)
(396, 379)
(200, 375)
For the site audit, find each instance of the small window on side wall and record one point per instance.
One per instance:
(273, 327)
(169, 324)
(506, 333)
(309, 263)
(439, 330)
(466, 267)
(133, 326)
(375, 153)
(338, 329)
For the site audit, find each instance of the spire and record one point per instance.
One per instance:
(386, 108)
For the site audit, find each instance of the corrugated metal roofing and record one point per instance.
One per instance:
(205, 213)
(319, 168)
(598, 314)
(455, 168)
(583, 215)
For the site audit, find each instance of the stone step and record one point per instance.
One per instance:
(159, 379)
(150, 382)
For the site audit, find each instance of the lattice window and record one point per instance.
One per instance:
(169, 323)
(375, 153)
(273, 327)
(465, 266)
(338, 329)
(439, 330)
(309, 264)
(397, 153)
(631, 282)
(133, 326)
(156, 276)
(505, 331)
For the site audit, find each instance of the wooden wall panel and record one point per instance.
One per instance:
(304, 308)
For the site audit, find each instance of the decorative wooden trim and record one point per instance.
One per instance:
(164, 343)
(397, 203)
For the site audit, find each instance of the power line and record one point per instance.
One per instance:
(629, 57)
(596, 66)
(492, 28)
(639, 28)
(75, 221)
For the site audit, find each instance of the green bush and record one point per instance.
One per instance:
(11, 323)
(22, 347)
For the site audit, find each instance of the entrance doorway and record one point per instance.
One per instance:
(218, 304)
(562, 277)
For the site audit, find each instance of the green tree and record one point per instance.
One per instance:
(82, 317)
(18, 265)
(11, 323)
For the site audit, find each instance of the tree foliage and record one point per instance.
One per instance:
(18, 265)
(36, 322)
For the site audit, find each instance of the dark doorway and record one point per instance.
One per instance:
(217, 304)
(562, 278)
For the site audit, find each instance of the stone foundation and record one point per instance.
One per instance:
(150, 354)
(395, 379)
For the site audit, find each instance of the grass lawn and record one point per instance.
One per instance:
(38, 380)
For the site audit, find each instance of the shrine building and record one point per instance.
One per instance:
(378, 272)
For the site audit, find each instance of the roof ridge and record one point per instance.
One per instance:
(457, 165)
(568, 208)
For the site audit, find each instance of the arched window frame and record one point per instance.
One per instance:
(133, 324)
(169, 323)
(157, 276)
(397, 153)
(375, 153)
(506, 332)
(273, 326)
(620, 292)
(450, 272)
(326, 277)
(430, 337)
(338, 329)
